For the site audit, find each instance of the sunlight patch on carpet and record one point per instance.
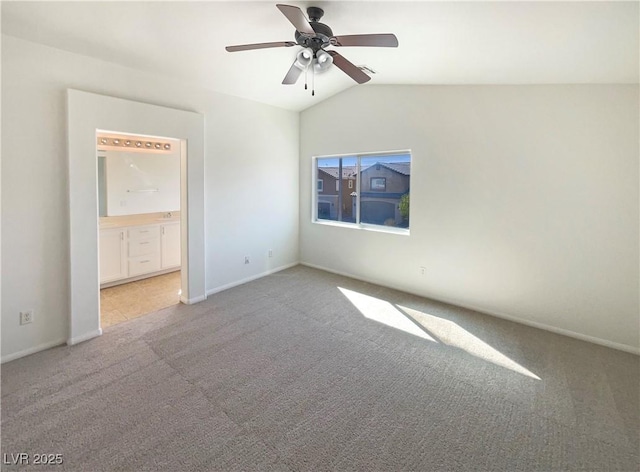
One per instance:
(384, 312)
(452, 334)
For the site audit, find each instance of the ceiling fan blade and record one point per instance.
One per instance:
(248, 47)
(292, 75)
(386, 40)
(297, 19)
(349, 68)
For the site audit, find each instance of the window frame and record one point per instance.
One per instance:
(358, 225)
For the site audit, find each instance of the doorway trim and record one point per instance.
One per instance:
(87, 113)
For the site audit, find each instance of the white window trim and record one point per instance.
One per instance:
(364, 227)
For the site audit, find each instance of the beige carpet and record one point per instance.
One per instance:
(306, 371)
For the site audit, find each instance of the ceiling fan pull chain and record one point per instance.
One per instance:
(313, 81)
(305, 78)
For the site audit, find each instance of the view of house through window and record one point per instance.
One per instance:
(369, 189)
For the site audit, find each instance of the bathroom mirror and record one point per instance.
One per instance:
(137, 181)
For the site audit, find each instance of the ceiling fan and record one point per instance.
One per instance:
(314, 37)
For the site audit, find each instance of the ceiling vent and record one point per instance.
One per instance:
(367, 69)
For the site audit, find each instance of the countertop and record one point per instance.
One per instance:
(112, 222)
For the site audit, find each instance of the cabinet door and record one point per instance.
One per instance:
(144, 264)
(113, 261)
(170, 243)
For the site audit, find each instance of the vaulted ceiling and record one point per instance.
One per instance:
(439, 42)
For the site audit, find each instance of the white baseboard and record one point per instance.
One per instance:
(32, 350)
(222, 288)
(194, 300)
(49, 345)
(93, 334)
(84, 337)
(533, 324)
(138, 277)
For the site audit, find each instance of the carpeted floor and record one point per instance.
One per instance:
(308, 371)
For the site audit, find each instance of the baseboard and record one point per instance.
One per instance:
(249, 279)
(84, 337)
(32, 350)
(194, 300)
(554, 329)
(187, 301)
(533, 324)
(115, 283)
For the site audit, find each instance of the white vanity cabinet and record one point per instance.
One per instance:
(170, 245)
(144, 249)
(140, 251)
(113, 255)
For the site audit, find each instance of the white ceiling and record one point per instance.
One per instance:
(440, 42)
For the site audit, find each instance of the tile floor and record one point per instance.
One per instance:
(127, 301)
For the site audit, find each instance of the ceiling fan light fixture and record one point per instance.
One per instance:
(304, 58)
(323, 61)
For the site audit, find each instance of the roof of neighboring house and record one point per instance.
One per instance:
(403, 168)
(349, 172)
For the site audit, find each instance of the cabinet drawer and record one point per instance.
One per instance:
(144, 232)
(140, 247)
(144, 264)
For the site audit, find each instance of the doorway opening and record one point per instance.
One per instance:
(88, 112)
(139, 240)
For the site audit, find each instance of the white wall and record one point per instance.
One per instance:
(524, 199)
(251, 180)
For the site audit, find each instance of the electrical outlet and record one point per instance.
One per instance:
(422, 270)
(246, 259)
(270, 252)
(26, 317)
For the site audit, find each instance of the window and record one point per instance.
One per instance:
(378, 184)
(381, 194)
(320, 185)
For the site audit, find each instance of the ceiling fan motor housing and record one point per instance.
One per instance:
(322, 38)
(323, 32)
